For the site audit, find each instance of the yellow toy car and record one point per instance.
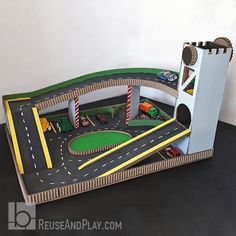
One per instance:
(45, 124)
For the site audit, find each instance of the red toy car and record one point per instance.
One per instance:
(103, 119)
(173, 152)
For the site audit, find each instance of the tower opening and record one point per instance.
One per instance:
(183, 115)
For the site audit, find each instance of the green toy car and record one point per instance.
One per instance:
(153, 111)
(64, 125)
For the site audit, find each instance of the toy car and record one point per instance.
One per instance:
(189, 91)
(167, 75)
(149, 109)
(103, 119)
(64, 125)
(172, 152)
(84, 121)
(45, 124)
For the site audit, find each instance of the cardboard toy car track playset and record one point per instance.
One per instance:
(84, 147)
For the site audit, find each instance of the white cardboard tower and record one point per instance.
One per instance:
(201, 108)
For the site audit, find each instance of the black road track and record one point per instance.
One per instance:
(27, 135)
(128, 152)
(71, 88)
(66, 172)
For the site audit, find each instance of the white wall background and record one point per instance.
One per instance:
(48, 41)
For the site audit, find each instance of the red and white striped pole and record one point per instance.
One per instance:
(127, 115)
(76, 100)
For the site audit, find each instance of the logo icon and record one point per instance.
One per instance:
(21, 217)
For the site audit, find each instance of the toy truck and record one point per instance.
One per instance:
(45, 124)
(149, 109)
(64, 125)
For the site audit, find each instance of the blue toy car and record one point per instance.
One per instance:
(167, 75)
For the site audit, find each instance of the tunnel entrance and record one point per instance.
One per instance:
(183, 115)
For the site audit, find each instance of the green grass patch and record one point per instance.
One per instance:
(94, 111)
(94, 140)
(149, 122)
(145, 122)
(55, 117)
